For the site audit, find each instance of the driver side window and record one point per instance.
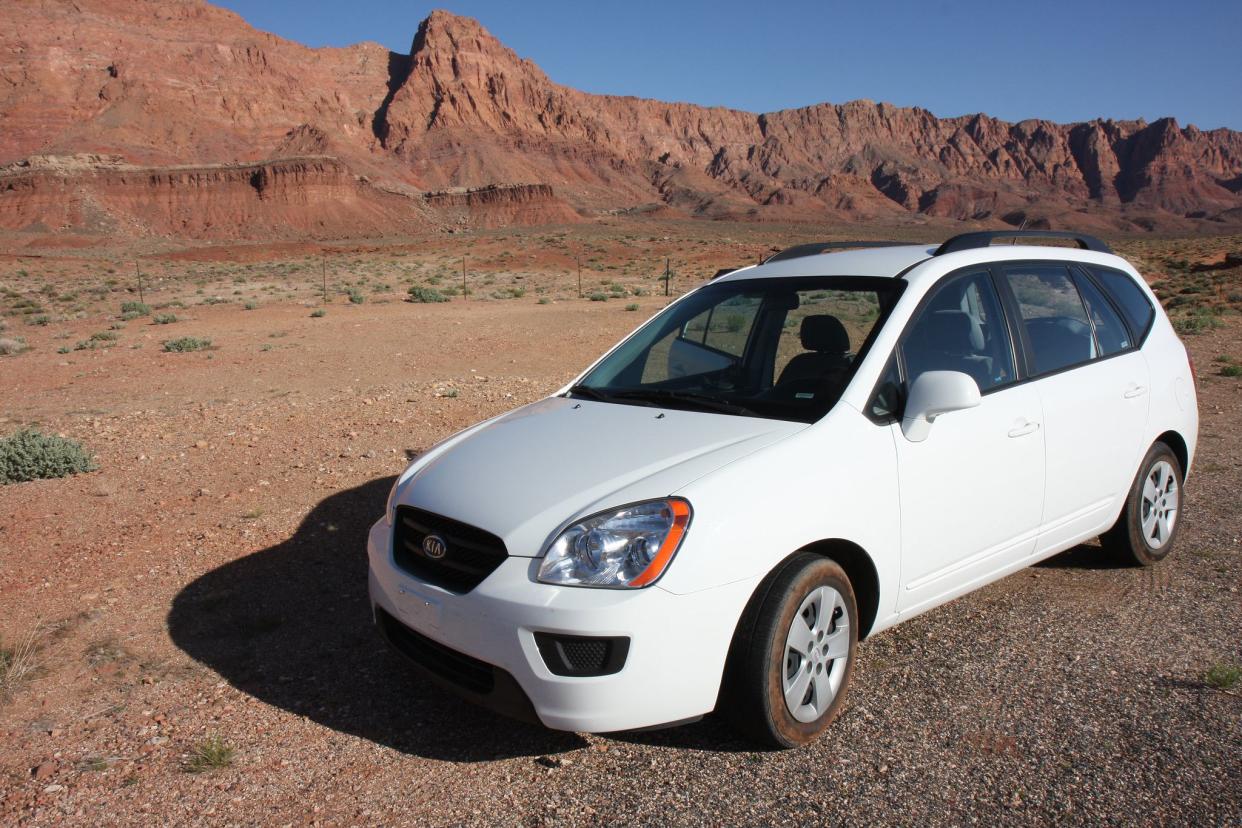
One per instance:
(961, 328)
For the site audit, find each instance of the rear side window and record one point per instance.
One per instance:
(1129, 297)
(1110, 332)
(1053, 315)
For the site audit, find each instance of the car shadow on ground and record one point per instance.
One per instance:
(291, 625)
(1088, 555)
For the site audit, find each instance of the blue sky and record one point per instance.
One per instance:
(1065, 61)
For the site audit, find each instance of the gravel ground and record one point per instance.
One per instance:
(209, 580)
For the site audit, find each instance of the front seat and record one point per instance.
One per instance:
(828, 344)
(944, 340)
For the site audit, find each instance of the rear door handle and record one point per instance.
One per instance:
(1023, 428)
(1135, 390)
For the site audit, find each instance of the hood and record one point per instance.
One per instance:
(525, 475)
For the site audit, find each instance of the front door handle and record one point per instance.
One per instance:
(1135, 390)
(1023, 428)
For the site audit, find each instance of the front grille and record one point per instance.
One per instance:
(470, 553)
(456, 668)
(572, 655)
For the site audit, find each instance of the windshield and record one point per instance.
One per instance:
(782, 348)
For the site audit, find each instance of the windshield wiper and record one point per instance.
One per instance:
(658, 395)
(586, 392)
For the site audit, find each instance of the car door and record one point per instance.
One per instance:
(1092, 383)
(971, 493)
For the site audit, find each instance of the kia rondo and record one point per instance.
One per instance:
(788, 459)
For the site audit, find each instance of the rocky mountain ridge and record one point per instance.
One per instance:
(360, 140)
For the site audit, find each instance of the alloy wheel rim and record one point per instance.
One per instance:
(1160, 504)
(817, 649)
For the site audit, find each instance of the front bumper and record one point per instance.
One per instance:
(678, 643)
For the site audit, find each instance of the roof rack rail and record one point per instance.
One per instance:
(973, 241)
(815, 248)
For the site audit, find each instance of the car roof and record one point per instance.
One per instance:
(894, 261)
(872, 261)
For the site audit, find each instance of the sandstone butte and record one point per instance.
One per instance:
(174, 118)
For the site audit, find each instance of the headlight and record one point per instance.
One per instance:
(392, 497)
(622, 548)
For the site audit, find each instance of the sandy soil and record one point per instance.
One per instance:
(209, 580)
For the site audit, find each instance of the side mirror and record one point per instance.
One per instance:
(935, 393)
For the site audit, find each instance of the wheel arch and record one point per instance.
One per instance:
(1177, 443)
(861, 571)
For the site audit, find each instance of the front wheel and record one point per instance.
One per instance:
(1147, 527)
(793, 653)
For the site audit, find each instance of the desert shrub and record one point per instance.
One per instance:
(1223, 676)
(543, 300)
(164, 318)
(18, 661)
(1201, 319)
(104, 336)
(318, 313)
(598, 296)
(1231, 371)
(210, 754)
(40, 320)
(29, 455)
(135, 308)
(8, 346)
(250, 306)
(426, 295)
(27, 307)
(186, 343)
(633, 306)
(356, 297)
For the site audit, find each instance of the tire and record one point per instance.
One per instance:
(764, 665)
(1147, 527)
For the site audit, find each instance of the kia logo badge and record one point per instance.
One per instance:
(434, 547)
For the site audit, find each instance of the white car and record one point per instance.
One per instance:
(792, 457)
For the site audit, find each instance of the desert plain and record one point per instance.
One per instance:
(186, 633)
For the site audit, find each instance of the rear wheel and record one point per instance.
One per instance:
(793, 653)
(1147, 527)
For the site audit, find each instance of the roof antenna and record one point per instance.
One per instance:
(1021, 227)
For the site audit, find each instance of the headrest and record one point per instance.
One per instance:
(948, 331)
(824, 333)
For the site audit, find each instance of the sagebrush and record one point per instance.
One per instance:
(427, 295)
(30, 455)
(186, 343)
